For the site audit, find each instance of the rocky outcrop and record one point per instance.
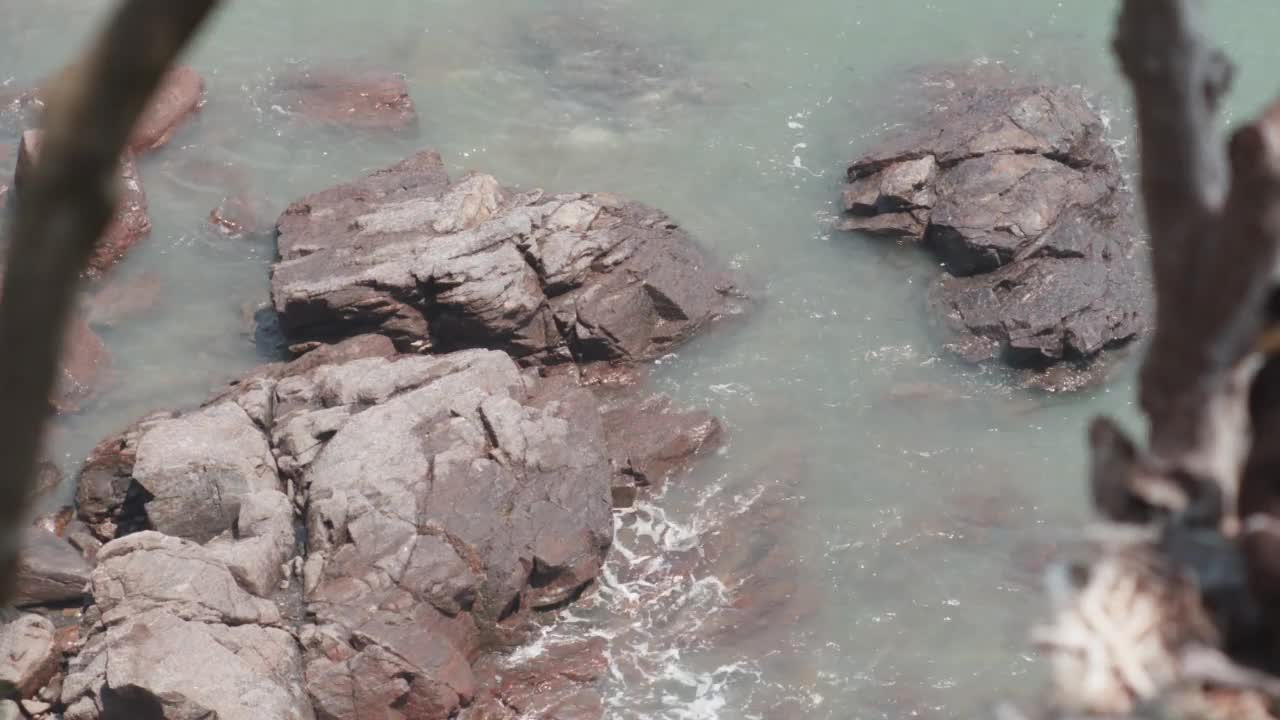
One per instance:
(362, 100)
(441, 266)
(50, 571)
(447, 500)
(131, 222)
(1017, 194)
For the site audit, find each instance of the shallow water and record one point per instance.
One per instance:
(905, 533)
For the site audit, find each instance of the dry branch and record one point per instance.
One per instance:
(1183, 601)
(61, 212)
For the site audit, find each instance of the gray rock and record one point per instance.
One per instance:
(262, 543)
(29, 656)
(197, 467)
(149, 570)
(1014, 189)
(9, 710)
(154, 664)
(50, 571)
(441, 266)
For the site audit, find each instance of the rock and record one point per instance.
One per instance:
(560, 682)
(29, 657)
(1014, 189)
(9, 710)
(180, 94)
(363, 100)
(196, 468)
(85, 365)
(446, 266)
(513, 513)
(48, 482)
(131, 222)
(107, 500)
(50, 571)
(650, 440)
(232, 672)
(123, 299)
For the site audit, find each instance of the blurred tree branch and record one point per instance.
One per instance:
(61, 212)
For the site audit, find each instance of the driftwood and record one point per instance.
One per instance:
(1177, 615)
(61, 212)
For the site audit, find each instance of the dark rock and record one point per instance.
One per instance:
(131, 222)
(442, 266)
(29, 656)
(180, 94)
(50, 571)
(107, 500)
(363, 100)
(650, 440)
(1015, 191)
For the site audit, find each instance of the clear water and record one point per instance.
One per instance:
(907, 531)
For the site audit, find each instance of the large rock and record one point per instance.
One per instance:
(29, 656)
(50, 571)
(175, 635)
(443, 266)
(1016, 192)
(131, 222)
(447, 500)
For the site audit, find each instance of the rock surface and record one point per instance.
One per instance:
(1016, 192)
(131, 223)
(363, 100)
(84, 367)
(50, 571)
(447, 500)
(439, 265)
(29, 655)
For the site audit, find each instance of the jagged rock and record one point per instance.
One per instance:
(197, 467)
(559, 683)
(50, 571)
(448, 266)
(29, 656)
(512, 512)
(1015, 191)
(131, 222)
(158, 599)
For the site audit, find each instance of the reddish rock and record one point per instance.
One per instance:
(558, 683)
(123, 299)
(84, 364)
(236, 216)
(360, 100)
(180, 94)
(131, 222)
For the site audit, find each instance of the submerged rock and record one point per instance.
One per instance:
(1015, 191)
(131, 222)
(83, 369)
(440, 265)
(363, 100)
(180, 95)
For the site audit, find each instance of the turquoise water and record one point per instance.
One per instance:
(911, 528)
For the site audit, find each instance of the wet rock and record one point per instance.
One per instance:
(123, 299)
(1014, 189)
(363, 100)
(513, 514)
(131, 222)
(29, 656)
(180, 94)
(84, 368)
(50, 571)
(48, 482)
(445, 266)
(650, 439)
(107, 501)
(561, 682)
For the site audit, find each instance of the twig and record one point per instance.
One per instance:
(61, 212)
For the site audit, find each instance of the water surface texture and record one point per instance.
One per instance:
(901, 505)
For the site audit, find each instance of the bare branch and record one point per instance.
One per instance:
(61, 212)
(1213, 244)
